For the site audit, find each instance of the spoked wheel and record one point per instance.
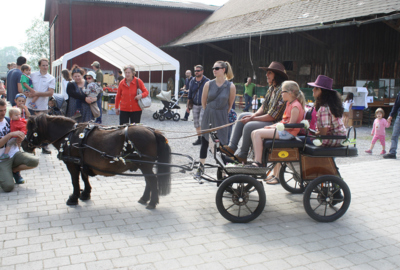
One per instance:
(177, 116)
(161, 117)
(240, 198)
(155, 115)
(290, 177)
(326, 198)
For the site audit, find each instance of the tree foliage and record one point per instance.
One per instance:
(37, 44)
(8, 54)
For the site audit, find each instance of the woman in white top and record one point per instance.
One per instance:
(65, 80)
(347, 104)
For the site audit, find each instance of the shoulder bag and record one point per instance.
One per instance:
(143, 102)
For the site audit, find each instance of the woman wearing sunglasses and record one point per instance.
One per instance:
(217, 100)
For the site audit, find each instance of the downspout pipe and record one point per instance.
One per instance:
(70, 30)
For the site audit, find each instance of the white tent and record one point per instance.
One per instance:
(123, 47)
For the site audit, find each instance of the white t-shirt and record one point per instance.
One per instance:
(41, 83)
(4, 130)
(346, 105)
(64, 88)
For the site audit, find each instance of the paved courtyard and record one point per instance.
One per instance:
(112, 231)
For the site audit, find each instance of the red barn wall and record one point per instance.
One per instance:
(92, 21)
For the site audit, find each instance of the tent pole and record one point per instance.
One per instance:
(162, 76)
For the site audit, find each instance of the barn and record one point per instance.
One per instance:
(74, 23)
(348, 40)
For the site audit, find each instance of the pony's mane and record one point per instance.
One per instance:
(41, 121)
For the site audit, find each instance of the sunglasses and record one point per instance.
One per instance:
(217, 68)
(198, 70)
(89, 78)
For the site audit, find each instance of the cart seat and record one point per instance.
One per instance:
(342, 151)
(295, 143)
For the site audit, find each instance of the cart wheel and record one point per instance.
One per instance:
(240, 198)
(290, 178)
(326, 198)
(161, 117)
(155, 115)
(177, 116)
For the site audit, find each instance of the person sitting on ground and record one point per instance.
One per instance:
(16, 124)
(27, 85)
(20, 100)
(18, 161)
(270, 112)
(329, 111)
(294, 114)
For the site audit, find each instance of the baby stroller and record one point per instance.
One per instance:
(169, 105)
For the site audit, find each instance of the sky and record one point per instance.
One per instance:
(16, 16)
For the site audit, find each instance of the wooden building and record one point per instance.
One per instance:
(346, 40)
(74, 23)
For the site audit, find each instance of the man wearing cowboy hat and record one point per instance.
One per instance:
(269, 113)
(99, 79)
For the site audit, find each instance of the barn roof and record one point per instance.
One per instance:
(173, 4)
(239, 19)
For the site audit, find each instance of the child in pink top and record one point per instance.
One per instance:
(378, 130)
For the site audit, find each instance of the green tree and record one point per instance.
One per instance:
(37, 44)
(9, 54)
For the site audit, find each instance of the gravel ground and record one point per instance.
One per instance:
(180, 129)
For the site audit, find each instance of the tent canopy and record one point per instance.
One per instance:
(123, 47)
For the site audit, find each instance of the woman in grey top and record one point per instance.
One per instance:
(217, 100)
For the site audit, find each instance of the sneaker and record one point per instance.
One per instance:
(18, 178)
(199, 172)
(76, 115)
(33, 105)
(45, 150)
(184, 119)
(197, 142)
(4, 156)
(368, 151)
(383, 152)
(389, 155)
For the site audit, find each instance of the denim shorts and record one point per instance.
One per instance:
(284, 135)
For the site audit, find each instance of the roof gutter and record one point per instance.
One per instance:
(290, 30)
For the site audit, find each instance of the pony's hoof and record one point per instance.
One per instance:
(72, 200)
(84, 196)
(142, 202)
(151, 207)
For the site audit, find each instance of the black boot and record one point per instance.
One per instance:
(198, 142)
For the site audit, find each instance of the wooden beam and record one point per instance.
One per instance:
(392, 24)
(219, 48)
(257, 44)
(313, 39)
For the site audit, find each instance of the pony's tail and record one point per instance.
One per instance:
(164, 156)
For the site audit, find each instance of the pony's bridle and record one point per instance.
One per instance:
(32, 138)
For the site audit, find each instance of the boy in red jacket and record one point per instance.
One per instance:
(16, 124)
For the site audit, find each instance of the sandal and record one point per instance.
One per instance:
(254, 164)
(273, 181)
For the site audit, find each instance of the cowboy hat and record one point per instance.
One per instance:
(277, 68)
(323, 82)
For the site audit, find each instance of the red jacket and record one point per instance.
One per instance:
(18, 125)
(125, 99)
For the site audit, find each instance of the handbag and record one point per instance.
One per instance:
(232, 116)
(143, 102)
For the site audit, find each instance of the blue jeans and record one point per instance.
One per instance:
(395, 135)
(247, 102)
(98, 119)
